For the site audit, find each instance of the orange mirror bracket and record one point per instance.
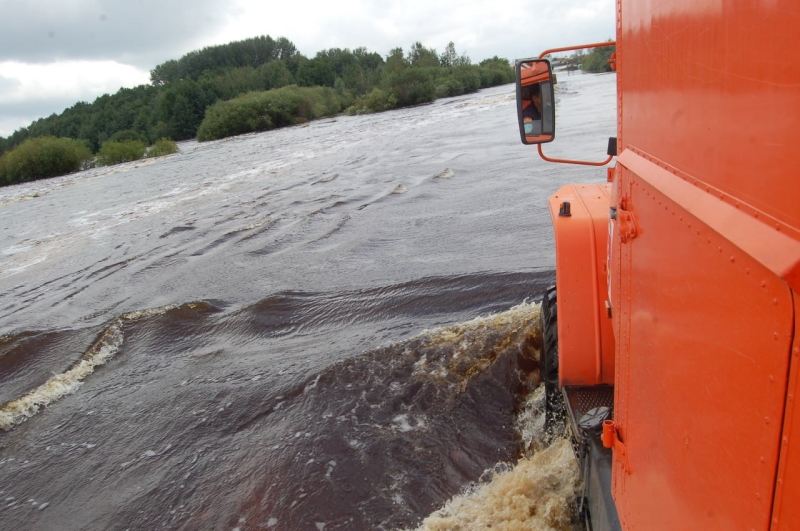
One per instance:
(570, 161)
(613, 65)
(578, 47)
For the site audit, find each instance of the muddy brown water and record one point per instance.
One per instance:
(309, 328)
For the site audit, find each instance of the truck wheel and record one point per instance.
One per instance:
(548, 366)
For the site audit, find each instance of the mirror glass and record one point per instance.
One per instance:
(535, 101)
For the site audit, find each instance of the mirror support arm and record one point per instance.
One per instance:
(568, 49)
(569, 161)
(578, 47)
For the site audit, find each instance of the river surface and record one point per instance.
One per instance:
(328, 326)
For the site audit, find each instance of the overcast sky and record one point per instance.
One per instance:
(54, 53)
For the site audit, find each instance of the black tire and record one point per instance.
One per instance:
(548, 362)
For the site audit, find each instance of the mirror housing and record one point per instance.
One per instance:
(536, 111)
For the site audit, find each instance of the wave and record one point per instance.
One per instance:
(535, 493)
(379, 440)
(104, 348)
(289, 312)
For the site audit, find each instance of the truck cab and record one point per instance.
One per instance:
(670, 338)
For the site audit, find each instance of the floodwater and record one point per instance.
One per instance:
(328, 326)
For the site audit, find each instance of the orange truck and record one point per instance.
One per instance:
(671, 343)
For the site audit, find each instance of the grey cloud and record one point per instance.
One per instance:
(14, 116)
(8, 84)
(138, 32)
(38, 108)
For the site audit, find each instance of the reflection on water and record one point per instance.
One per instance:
(312, 328)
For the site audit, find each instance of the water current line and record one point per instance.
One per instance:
(103, 349)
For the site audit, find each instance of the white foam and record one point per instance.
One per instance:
(535, 494)
(401, 421)
(60, 385)
(446, 174)
(467, 342)
(312, 385)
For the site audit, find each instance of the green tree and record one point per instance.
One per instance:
(316, 72)
(597, 60)
(396, 60)
(421, 56)
(449, 56)
(182, 107)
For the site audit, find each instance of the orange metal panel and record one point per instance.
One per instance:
(787, 486)
(702, 363)
(713, 88)
(586, 343)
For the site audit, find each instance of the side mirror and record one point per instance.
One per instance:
(536, 110)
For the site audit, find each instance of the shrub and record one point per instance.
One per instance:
(127, 134)
(42, 157)
(376, 101)
(468, 76)
(3, 177)
(262, 111)
(597, 60)
(162, 147)
(413, 85)
(495, 71)
(449, 86)
(116, 152)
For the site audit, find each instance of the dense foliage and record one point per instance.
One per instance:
(46, 156)
(162, 147)
(594, 62)
(119, 151)
(247, 53)
(262, 111)
(597, 60)
(185, 92)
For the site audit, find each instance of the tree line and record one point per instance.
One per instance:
(209, 82)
